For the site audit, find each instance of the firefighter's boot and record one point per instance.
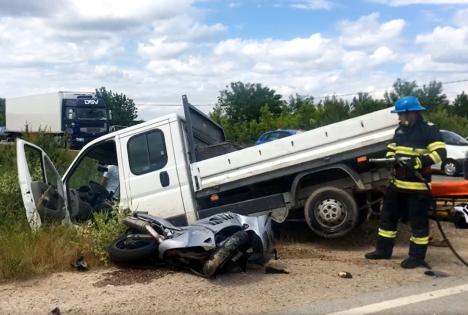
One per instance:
(383, 249)
(417, 254)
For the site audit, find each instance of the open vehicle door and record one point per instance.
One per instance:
(41, 186)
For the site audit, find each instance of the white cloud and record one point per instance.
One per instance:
(461, 18)
(446, 44)
(310, 4)
(396, 3)
(367, 31)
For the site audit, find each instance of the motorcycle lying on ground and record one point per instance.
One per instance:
(207, 247)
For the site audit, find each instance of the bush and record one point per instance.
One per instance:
(103, 230)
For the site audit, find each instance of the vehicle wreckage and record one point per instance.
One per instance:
(207, 247)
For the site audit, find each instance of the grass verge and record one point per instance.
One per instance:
(24, 253)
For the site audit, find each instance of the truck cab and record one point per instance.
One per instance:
(153, 169)
(85, 118)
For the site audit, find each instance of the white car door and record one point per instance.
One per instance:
(41, 186)
(151, 177)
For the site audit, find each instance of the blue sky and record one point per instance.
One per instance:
(155, 51)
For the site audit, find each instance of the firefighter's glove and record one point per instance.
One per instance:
(411, 164)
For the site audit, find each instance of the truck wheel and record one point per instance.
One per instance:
(331, 212)
(450, 167)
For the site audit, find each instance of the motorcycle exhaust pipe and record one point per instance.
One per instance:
(143, 226)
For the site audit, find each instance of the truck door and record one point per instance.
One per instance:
(41, 186)
(150, 170)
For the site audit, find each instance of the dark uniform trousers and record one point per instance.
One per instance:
(407, 206)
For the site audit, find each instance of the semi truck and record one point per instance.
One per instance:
(81, 117)
(180, 167)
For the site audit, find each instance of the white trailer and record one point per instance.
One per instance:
(34, 113)
(181, 168)
(80, 115)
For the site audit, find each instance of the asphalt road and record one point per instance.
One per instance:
(435, 296)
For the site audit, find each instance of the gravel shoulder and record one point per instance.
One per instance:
(313, 267)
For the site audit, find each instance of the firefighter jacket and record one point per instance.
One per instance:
(423, 143)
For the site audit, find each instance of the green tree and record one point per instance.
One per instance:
(460, 105)
(243, 101)
(334, 109)
(401, 88)
(432, 95)
(364, 103)
(2, 112)
(124, 111)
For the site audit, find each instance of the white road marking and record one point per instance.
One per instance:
(381, 306)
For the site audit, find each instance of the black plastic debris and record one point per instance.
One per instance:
(273, 270)
(436, 274)
(345, 275)
(80, 264)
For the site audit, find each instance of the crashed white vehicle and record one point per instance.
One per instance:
(181, 168)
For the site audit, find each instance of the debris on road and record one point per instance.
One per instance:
(345, 275)
(436, 274)
(80, 264)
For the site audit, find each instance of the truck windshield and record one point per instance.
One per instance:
(91, 113)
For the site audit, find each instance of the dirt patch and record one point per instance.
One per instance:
(124, 277)
(313, 267)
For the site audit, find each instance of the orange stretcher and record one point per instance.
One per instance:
(446, 196)
(455, 190)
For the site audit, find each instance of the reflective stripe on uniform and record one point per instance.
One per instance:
(420, 240)
(409, 185)
(390, 154)
(387, 234)
(410, 151)
(435, 157)
(418, 164)
(436, 145)
(391, 146)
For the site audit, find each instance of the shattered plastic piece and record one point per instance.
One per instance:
(345, 274)
(436, 274)
(55, 311)
(80, 264)
(274, 270)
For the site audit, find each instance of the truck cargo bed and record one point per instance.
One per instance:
(321, 143)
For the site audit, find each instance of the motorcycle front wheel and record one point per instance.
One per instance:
(225, 253)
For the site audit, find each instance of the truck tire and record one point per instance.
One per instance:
(225, 252)
(331, 212)
(121, 251)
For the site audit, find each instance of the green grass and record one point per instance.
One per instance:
(24, 253)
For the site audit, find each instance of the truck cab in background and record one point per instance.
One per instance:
(85, 118)
(79, 116)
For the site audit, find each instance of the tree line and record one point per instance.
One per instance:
(246, 110)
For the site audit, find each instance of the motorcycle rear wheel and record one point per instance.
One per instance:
(126, 251)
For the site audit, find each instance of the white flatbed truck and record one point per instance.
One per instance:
(180, 167)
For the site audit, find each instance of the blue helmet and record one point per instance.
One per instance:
(408, 104)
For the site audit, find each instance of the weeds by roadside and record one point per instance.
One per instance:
(24, 253)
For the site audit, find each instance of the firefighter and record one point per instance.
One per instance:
(408, 196)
